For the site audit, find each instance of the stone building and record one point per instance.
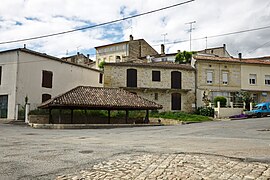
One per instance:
(168, 84)
(255, 73)
(216, 51)
(124, 51)
(217, 76)
(80, 58)
(221, 76)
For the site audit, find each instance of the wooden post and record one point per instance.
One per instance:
(126, 116)
(71, 114)
(50, 116)
(147, 117)
(109, 116)
(60, 116)
(86, 117)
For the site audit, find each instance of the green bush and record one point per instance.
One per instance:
(205, 111)
(221, 99)
(181, 116)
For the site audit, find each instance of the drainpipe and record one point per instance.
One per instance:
(16, 83)
(196, 85)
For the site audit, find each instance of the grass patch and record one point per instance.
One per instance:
(181, 116)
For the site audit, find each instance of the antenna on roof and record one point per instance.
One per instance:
(67, 52)
(164, 37)
(205, 42)
(190, 32)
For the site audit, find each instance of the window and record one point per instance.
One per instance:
(46, 97)
(209, 77)
(0, 75)
(267, 79)
(252, 78)
(47, 79)
(156, 96)
(100, 78)
(176, 101)
(155, 75)
(176, 78)
(131, 78)
(225, 78)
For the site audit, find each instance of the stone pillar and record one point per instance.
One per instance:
(218, 109)
(17, 112)
(244, 104)
(231, 104)
(251, 106)
(27, 109)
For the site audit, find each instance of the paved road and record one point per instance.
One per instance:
(27, 153)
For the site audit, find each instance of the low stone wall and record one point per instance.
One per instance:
(65, 119)
(164, 121)
(227, 112)
(39, 119)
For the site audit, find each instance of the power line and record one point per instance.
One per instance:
(219, 35)
(259, 47)
(97, 25)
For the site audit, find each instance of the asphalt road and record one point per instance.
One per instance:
(27, 153)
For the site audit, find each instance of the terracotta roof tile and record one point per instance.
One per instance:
(100, 98)
(261, 60)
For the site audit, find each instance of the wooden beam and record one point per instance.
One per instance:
(50, 116)
(147, 117)
(109, 116)
(60, 116)
(126, 116)
(71, 114)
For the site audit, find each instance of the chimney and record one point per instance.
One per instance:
(78, 53)
(240, 55)
(162, 49)
(178, 51)
(88, 56)
(130, 37)
(224, 46)
(24, 46)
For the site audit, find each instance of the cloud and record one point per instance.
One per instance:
(29, 18)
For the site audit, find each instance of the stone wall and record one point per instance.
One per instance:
(140, 48)
(115, 76)
(66, 119)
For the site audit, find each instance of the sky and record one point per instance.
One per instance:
(21, 19)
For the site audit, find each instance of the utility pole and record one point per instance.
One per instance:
(190, 30)
(164, 37)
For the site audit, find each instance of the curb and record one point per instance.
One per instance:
(88, 126)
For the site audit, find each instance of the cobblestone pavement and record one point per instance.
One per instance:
(173, 166)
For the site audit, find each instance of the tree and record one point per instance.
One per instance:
(101, 65)
(246, 97)
(184, 57)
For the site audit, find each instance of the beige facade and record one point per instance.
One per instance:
(123, 51)
(256, 79)
(217, 77)
(252, 75)
(115, 75)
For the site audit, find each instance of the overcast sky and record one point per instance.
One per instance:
(29, 18)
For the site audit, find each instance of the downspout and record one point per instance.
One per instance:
(196, 85)
(16, 82)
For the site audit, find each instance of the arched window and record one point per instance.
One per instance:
(176, 101)
(131, 78)
(46, 97)
(176, 80)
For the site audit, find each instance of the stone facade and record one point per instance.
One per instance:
(124, 51)
(115, 75)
